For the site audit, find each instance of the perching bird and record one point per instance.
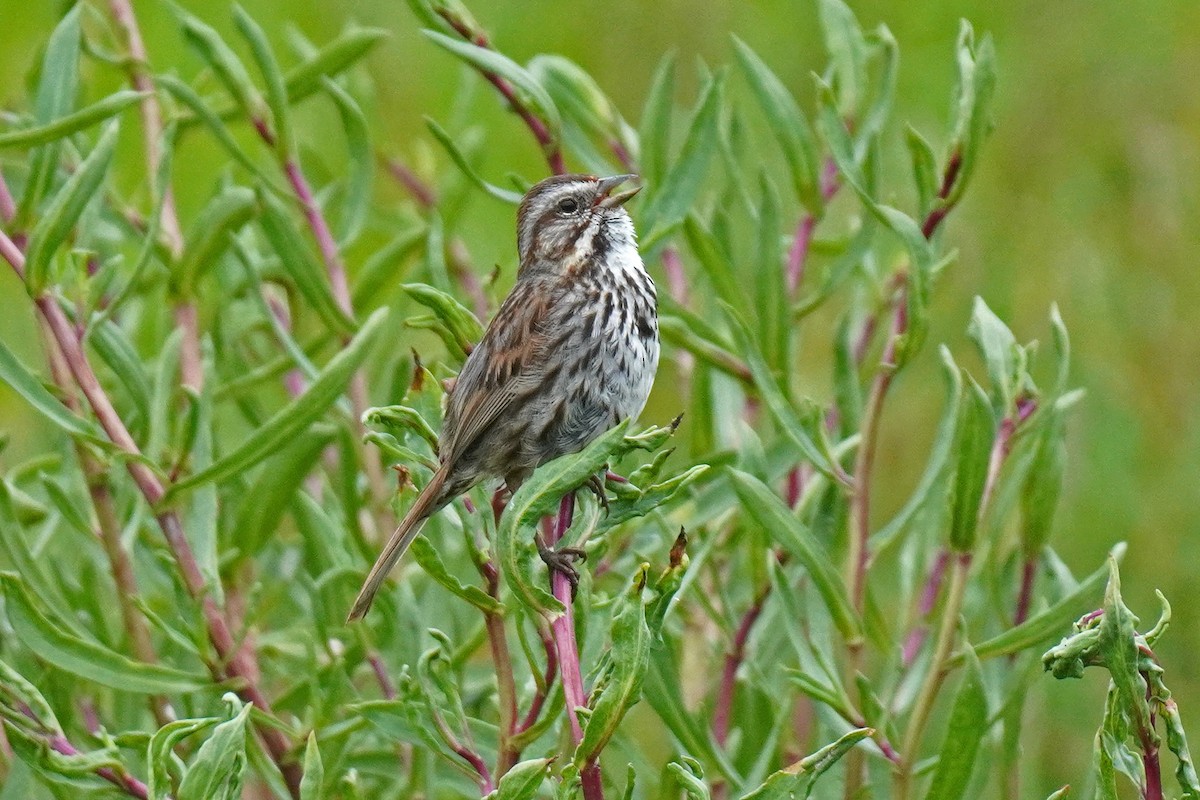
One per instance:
(571, 352)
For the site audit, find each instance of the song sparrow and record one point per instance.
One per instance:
(571, 352)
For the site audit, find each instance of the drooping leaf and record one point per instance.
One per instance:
(72, 123)
(86, 658)
(297, 414)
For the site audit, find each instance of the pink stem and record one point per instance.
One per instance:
(538, 128)
(929, 595)
(122, 780)
(806, 227)
(723, 713)
(153, 490)
(1025, 596)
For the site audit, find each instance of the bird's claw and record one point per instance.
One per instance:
(596, 484)
(562, 560)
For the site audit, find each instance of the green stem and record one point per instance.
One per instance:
(939, 667)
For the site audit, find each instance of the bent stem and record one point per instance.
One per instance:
(233, 664)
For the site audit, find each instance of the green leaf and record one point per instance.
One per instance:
(225, 64)
(796, 781)
(13, 685)
(160, 755)
(848, 54)
(964, 733)
(976, 432)
(577, 95)
(924, 167)
(265, 501)
(676, 195)
(726, 282)
(300, 264)
(427, 556)
(538, 496)
(376, 274)
(216, 771)
(457, 326)
(360, 168)
(777, 402)
(296, 415)
(189, 97)
(460, 160)
(55, 98)
(630, 658)
(690, 777)
(268, 67)
(81, 120)
(765, 508)
(972, 100)
(1049, 623)
(1000, 352)
(1060, 794)
(788, 124)
(209, 235)
(1062, 350)
(938, 467)
(55, 223)
(843, 151)
(1039, 495)
(522, 780)
(772, 310)
(88, 659)
(26, 384)
(314, 771)
(654, 132)
(528, 90)
(348, 48)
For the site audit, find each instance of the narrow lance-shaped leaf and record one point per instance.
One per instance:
(788, 124)
(796, 782)
(654, 132)
(189, 97)
(674, 197)
(298, 261)
(579, 97)
(538, 496)
(348, 48)
(55, 98)
(976, 432)
(939, 464)
(225, 64)
(762, 505)
(56, 222)
(527, 87)
(1039, 495)
(296, 415)
(81, 120)
(216, 771)
(1000, 353)
(268, 67)
(208, 236)
(848, 54)
(630, 653)
(964, 734)
(314, 771)
(460, 160)
(28, 386)
(973, 98)
(778, 404)
(361, 165)
(427, 556)
(88, 659)
(523, 780)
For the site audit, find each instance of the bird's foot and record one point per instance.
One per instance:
(596, 484)
(562, 560)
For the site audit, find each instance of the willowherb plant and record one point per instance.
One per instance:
(179, 556)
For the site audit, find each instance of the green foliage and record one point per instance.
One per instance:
(178, 559)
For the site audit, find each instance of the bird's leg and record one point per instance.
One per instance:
(561, 560)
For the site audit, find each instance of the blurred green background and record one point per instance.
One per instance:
(1088, 195)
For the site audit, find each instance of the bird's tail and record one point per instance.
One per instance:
(427, 503)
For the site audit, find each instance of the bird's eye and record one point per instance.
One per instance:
(568, 206)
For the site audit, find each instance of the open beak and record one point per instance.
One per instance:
(606, 199)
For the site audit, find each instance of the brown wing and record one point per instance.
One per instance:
(507, 362)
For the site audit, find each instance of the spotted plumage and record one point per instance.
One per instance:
(571, 352)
